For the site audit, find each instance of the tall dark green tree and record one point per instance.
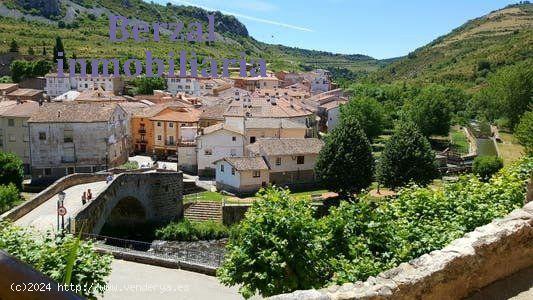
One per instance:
(345, 163)
(407, 156)
(11, 170)
(13, 46)
(369, 112)
(58, 47)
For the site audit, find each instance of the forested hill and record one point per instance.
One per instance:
(470, 52)
(83, 27)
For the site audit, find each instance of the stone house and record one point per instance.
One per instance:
(241, 175)
(257, 128)
(76, 137)
(216, 142)
(290, 161)
(253, 83)
(14, 130)
(56, 85)
(187, 85)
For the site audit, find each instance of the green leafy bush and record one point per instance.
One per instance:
(9, 196)
(11, 170)
(407, 156)
(279, 246)
(486, 166)
(50, 255)
(524, 132)
(186, 230)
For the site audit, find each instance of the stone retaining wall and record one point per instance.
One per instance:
(60, 185)
(485, 255)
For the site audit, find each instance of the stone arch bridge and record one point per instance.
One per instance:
(132, 198)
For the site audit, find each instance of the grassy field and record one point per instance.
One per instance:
(218, 197)
(459, 140)
(510, 150)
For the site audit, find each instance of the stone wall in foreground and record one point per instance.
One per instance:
(487, 254)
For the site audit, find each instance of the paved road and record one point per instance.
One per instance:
(44, 217)
(134, 281)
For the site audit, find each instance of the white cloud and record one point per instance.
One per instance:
(248, 17)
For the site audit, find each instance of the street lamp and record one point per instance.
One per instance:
(61, 210)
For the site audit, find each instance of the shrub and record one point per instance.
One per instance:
(524, 132)
(186, 230)
(345, 163)
(50, 255)
(276, 248)
(9, 195)
(11, 170)
(407, 156)
(486, 166)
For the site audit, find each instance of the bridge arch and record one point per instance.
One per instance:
(133, 198)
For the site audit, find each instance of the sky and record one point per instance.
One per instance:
(378, 28)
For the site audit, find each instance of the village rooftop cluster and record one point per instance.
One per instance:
(245, 132)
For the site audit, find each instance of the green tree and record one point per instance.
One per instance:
(486, 166)
(345, 163)
(407, 156)
(524, 132)
(9, 195)
(509, 93)
(369, 112)
(40, 68)
(277, 248)
(58, 47)
(430, 111)
(11, 170)
(50, 255)
(147, 85)
(13, 46)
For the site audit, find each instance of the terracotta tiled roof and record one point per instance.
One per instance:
(5, 86)
(25, 109)
(254, 123)
(247, 163)
(215, 112)
(155, 109)
(6, 105)
(220, 126)
(73, 113)
(25, 92)
(273, 146)
(181, 114)
(266, 107)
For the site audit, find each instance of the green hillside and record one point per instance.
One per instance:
(83, 27)
(465, 56)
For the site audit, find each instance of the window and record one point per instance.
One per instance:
(47, 171)
(300, 160)
(232, 171)
(278, 161)
(208, 152)
(67, 136)
(252, 139)
(42, 136)
(170, 124)
(159, 137)
(12, 138)
(10, 122)
(222, 168)
(256, 174)
(158, 124)
(234, 138)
